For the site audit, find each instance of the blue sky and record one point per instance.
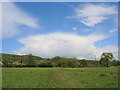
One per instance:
(65, 29)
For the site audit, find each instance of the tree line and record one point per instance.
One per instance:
(10, 60)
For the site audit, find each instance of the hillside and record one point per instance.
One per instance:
(11, 60)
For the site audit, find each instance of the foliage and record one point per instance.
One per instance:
(31, 62)
(10, 60)
(106, 58)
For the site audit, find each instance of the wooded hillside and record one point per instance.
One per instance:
(11, 60)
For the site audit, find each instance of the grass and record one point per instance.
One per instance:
(97, 77)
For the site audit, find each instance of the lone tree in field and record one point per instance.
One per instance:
(106, 58)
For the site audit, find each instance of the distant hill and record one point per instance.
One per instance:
(17, 57)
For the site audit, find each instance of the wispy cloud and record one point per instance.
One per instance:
(92, 14)
(13, 18)
(113, 30)
(63, 44)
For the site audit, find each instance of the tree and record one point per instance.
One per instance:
(83, 63)
(106, 58)
(74, 62)
(56, 58)
(31, 62)
(59, 61)
(45, 64)
(69, 63)
(118, 63)
(114, 62)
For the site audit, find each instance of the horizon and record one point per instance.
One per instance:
(95, 59)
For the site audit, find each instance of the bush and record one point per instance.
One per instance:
(45, 64)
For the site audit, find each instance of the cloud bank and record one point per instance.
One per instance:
(64, 44)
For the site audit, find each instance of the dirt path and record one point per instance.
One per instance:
(62, 80)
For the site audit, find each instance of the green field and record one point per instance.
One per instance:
(97, 77)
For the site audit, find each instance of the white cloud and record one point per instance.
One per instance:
(108, 48)
(113, 30)
(63, 44)
(74, 29)
(91, 21)
(13, 18)
(92, 14)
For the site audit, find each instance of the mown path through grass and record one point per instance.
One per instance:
(61, 79)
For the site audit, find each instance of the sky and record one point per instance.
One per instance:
(67, 29)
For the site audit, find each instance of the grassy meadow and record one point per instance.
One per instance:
(95, 77)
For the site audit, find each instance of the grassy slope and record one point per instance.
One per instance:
(60, 78)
